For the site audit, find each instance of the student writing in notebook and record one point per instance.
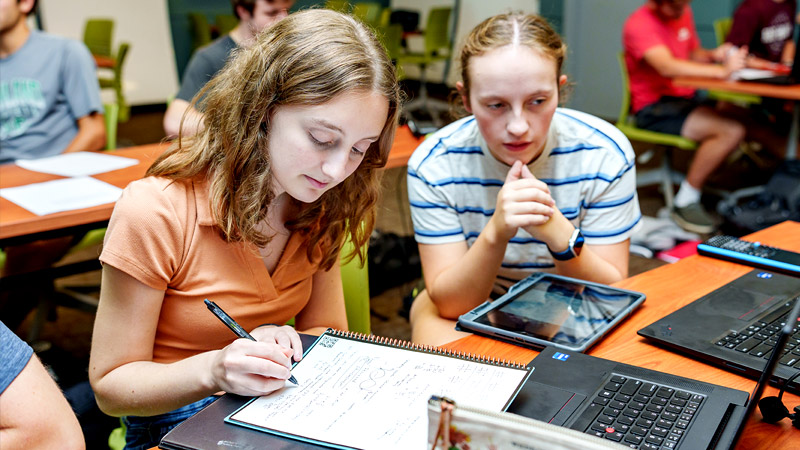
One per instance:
(250, 213)
(520, 185)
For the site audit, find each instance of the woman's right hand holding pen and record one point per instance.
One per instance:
(251, 368)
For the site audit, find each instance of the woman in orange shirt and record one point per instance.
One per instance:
(250, 213)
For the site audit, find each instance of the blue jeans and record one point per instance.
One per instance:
(142, 433)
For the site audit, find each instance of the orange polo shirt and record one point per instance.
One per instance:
(162, 234)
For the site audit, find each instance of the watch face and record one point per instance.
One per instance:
(578, 245)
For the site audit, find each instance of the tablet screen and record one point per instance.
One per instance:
(559, 311)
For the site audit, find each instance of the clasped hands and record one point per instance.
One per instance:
(525, 202)
(253, 368)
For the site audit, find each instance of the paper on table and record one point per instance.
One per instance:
(752, 74)
(77, 164)
(62, 195)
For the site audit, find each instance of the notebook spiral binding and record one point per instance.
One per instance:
(399, 343)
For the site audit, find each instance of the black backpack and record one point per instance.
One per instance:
(777, 202)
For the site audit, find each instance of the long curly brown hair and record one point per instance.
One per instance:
(309, 58)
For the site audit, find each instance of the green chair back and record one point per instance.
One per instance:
(98, 36)
(722, 27)
(355, 281)
(392, 38)
(115, 81)
(338, 5)
(225, 23)
(200, 29)
(111, 117)
(369, 13)
(437, 35)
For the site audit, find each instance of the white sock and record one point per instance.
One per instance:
(687, 194)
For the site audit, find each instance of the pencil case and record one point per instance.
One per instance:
(459, 427)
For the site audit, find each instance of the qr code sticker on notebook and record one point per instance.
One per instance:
(327, 341)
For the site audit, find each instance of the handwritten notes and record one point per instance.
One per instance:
(366, 395)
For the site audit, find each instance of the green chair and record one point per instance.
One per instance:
(115, 82)
(225, 23)
(111, 118)
(355, 280)
(369, 13)
(721, 29)
(98, 36)
(200, 29)
(391, 37)
(438, 47)
(338, 5)
(663, 175)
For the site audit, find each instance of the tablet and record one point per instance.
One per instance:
(548, 309)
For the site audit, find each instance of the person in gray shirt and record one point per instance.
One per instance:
(49, 93)
(49, 104)
(254, 16)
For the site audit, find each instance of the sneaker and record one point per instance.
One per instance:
(693, 218)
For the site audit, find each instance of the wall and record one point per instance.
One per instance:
(149, 70)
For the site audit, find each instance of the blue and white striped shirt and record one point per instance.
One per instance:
(589, 165)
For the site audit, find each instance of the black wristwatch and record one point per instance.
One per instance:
(573, 247)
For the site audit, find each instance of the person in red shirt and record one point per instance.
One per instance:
(660, 42)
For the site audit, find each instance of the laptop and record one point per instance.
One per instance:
(735, 326)
(567, 388)
(637, 407)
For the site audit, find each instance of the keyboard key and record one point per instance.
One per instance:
(653, 439)
(630, 387)
(612, 386)
(665, 392)
(639, 431)
(608, 420)
(660, 432)
(633, 439)
(683, 395)
(587, 417)
(648, 389)
(615, 436)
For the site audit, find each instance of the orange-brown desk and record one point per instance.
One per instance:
(786, 92)
(669, 288)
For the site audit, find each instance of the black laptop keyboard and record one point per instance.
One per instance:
(759, 338)
(640, 414)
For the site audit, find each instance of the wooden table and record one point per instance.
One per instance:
(18, 225)
(787, 92)
(669, 288)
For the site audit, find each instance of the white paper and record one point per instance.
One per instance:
(77, 164)
(370, 396)
(752, 74)
(62, 195)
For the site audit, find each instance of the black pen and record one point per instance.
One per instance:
(235, 327)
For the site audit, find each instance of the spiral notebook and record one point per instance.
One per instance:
(364, 391)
